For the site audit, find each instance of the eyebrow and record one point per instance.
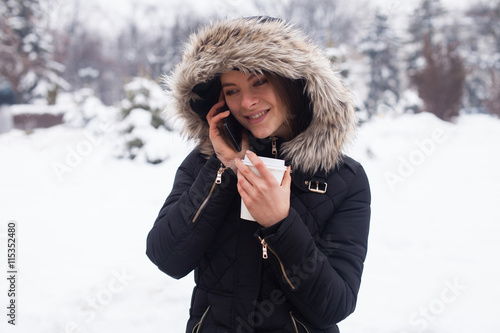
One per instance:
(250, 77)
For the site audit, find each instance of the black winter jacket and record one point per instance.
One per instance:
(312, 274)
(303, 273)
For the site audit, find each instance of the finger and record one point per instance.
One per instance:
(214, 110)
(245, 143)
(244, 195)
(213, 122)
(241, 191)
(244, 186)
(246, 172)
(221, 116)
(287, 178)
(259, 165)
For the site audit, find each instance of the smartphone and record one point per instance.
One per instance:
(233, 130)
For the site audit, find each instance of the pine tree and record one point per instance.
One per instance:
(380, 45)
(483, 56)
(424, 25)
(142, 124)
(26, 50)
(328, 22)
(435, 66)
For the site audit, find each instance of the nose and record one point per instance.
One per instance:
(249, 100)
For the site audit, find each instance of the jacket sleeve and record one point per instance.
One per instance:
(191, 215)
(321, 277)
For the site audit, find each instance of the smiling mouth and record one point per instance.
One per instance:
(260, 114)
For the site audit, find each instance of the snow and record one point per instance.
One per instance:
(145, 92)
(83, 217)
(436, 227)
(19, 109)
(6, 120)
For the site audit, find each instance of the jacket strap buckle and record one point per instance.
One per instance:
(318, 189)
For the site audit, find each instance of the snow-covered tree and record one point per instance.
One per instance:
(105, 60)
(482, 55)
(435, 66)
(425, 25)
(329, 22)
(89, 58)
(380, 44)
(143, 127)
(154, 51)
(26, 51)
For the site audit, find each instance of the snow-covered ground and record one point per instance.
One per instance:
(83, 217)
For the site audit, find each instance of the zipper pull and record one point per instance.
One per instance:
(218, 180)
(274, 150)
(264, 248)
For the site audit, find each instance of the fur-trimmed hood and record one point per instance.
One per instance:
(265, 45)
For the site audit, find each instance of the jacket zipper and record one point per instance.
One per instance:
(295, 321)
(196, 328)
(266, 247)
(217, 181)
(274, 149)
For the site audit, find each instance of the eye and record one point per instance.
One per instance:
(260, 81)
(230, 92)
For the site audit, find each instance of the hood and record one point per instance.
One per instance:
(264, 45)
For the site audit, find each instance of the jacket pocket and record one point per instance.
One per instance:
(265, 247)
(298, 326)
(217, 181)
(197, 327)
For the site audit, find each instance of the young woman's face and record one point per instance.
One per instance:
(253, 101)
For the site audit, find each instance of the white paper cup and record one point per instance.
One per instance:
(277, 168)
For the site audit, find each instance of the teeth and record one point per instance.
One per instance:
(258, 115)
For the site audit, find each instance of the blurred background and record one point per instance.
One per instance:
(395, 55)
(88, 156)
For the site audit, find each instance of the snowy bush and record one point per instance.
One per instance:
(83, 108)
(144, 129)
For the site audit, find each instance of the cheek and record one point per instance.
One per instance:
(276, 102)
(235, 110)
(232, 104)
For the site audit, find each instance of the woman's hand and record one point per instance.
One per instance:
(267, 201)
(225, 152)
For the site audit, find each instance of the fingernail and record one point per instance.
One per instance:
(248, 152)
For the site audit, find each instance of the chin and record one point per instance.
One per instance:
(261, 135)
(264, 132)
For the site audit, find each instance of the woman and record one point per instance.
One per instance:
(298, 267)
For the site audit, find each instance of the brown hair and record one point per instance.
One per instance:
(296, 103)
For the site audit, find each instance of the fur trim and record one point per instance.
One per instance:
(257, 45)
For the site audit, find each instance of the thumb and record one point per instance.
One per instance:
(287, 178)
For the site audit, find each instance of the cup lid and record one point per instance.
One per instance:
(271, 163)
